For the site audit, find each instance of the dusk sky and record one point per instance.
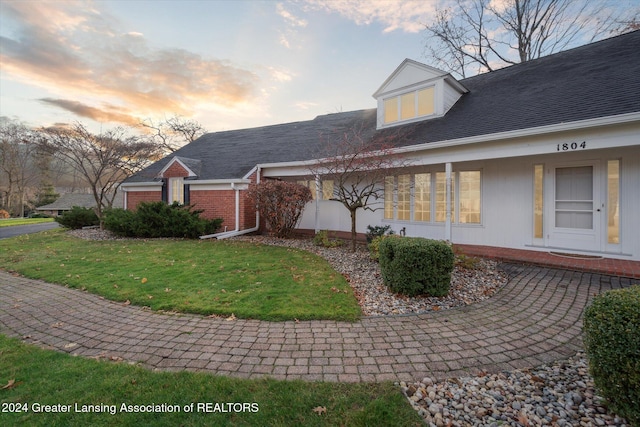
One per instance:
(226, 64)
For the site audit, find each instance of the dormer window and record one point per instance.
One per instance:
(416, 92)
(409, 105)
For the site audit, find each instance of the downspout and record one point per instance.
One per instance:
(237, 231)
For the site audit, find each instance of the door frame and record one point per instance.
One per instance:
(588, 240)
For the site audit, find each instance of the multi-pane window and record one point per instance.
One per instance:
(326, 188)
(176, 190)
(428, 200)
(469, 197)
(422, 197)
(409, 105)
(538, 201)
(404, 197)
(613, 202)
(441, 197)
(389, 185)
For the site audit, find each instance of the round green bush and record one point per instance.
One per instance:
(413, 266)
(612, 343)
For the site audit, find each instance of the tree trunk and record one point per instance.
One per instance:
(353, 229)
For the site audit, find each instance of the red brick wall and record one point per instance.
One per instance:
(216, 204)
(134, 198)
(213, 203)
(175, 171)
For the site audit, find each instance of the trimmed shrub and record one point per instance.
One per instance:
(322, 239)
(414, 266)
(374, 246)
(377, 231)
(39, 215)
(612, 343)
(78, 217)
(157, 219)
(4, 214)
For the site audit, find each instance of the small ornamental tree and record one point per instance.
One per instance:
(280, 203)
(357, 162)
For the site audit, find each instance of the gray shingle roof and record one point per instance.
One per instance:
(69, 200)
(597, 80)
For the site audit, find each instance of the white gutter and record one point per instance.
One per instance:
(237, 231)
(534, 131)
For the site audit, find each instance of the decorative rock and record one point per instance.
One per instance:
(558, 401)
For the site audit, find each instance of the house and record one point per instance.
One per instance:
(67, 201)
(543, 155)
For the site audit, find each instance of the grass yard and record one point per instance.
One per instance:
(31, 376)
(10, 222)
(203, 277)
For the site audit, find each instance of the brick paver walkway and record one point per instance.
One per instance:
(534, 319)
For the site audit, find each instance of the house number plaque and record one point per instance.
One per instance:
(571, 146)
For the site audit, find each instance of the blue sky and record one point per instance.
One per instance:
(226, 64)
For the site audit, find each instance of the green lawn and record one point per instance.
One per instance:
(192, 276)
(9, 222)
(31, 378)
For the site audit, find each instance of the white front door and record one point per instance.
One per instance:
(574, 216)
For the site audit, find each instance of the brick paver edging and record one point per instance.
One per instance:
(536, 318)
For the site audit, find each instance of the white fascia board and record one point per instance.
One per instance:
(139, 186)
(251, 172)
(218, 184)
(301, 168)
(537, 131)
(171, 162)
(217, 181)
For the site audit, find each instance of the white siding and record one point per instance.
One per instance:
(507, 203)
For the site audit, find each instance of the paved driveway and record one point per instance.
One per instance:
(18, 230)
(536, 318)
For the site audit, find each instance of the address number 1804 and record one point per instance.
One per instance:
(570, 146)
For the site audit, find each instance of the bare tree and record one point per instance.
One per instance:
(18, 159)
(358, 163)
(173, 133)
(102, 160)
(487, 35)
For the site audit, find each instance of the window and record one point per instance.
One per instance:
(441, 197)
(404, 197)
(389, 184)
(469, 197)
(425, 102)
(176, 190)
(613, 202)
(538, 181)
(409, 105)
(428, 201)
(390, 110)
(422, 197)
(326, 188)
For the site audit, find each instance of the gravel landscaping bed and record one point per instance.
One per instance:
(561, 394)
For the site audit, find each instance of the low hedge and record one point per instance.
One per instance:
(612, 343)
(414, 266)
(78, 217)
(158, 219)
